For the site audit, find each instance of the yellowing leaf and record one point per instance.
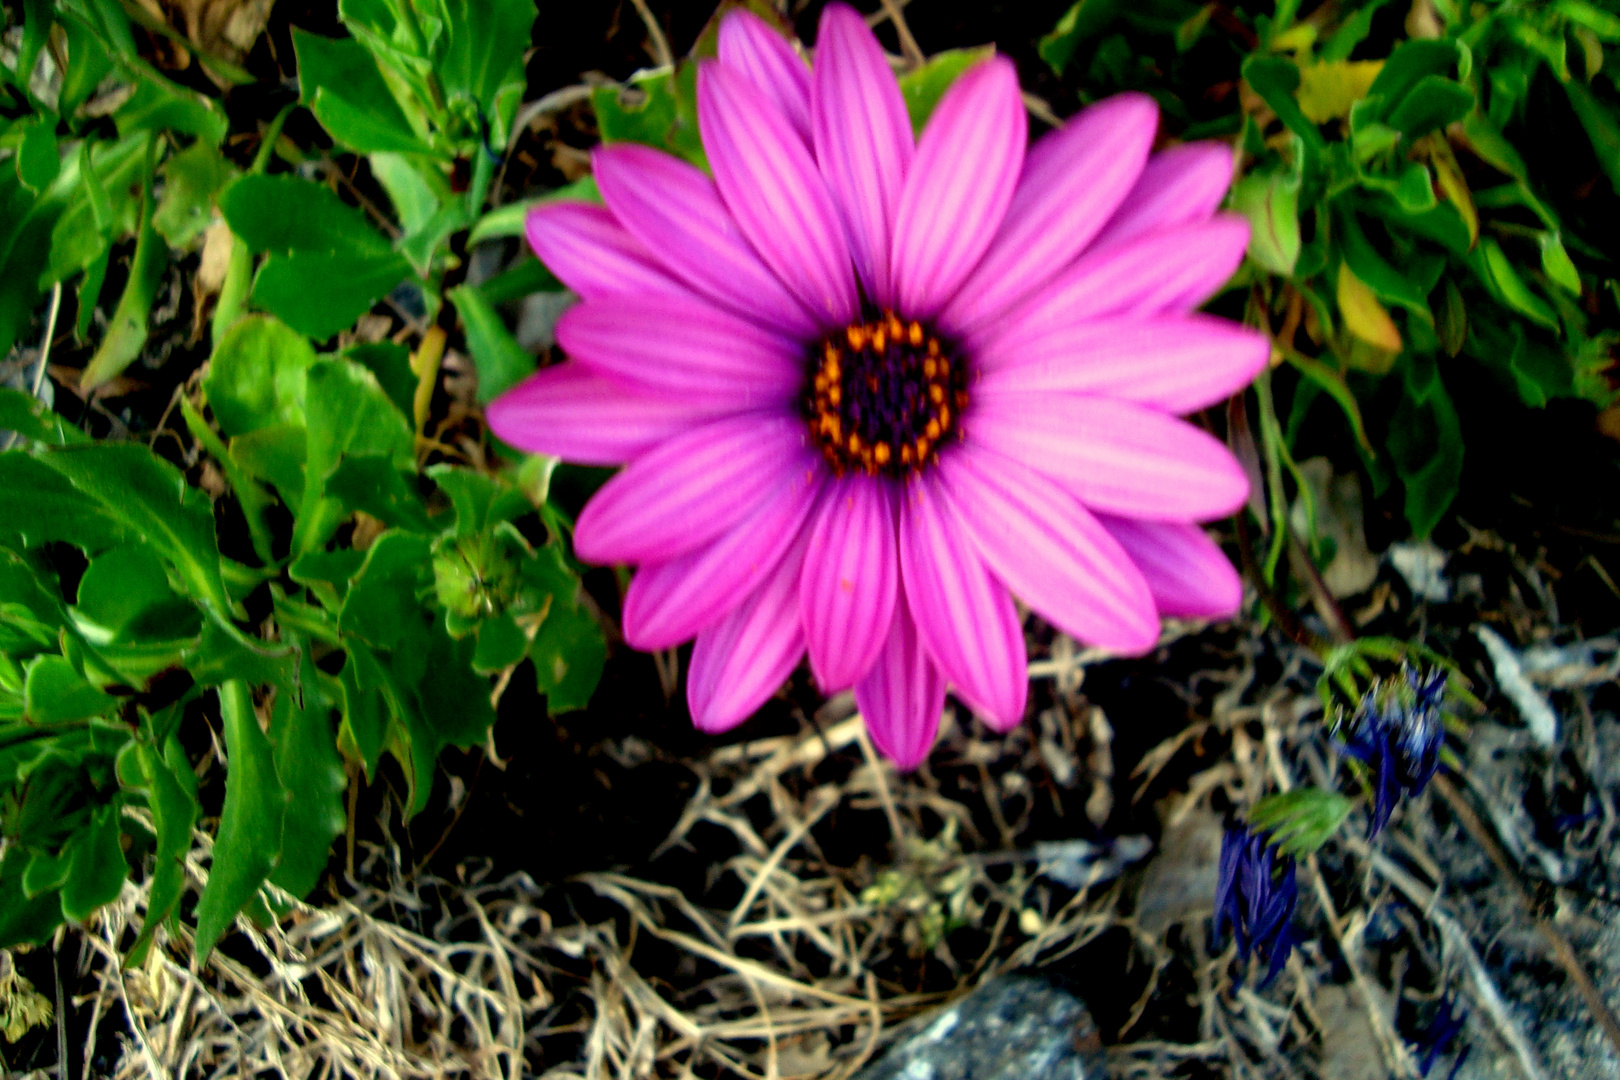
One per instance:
(1328, 89)
(1363, 315)
(1450, 176)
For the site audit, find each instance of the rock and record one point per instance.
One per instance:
(1014, 1027)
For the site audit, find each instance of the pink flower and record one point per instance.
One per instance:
(867, 388)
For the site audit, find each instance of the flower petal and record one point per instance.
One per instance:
(1179, 186)
(1168, 272)
(677, 214)
(1073, 180)
(1186, 571)
(668, 602)
(1114, 456)
(863, 139)
(1172, 363)
(776, 194)
(749, 46)
(575, 414)
(591, 253)
(691, 489)
(684, 349)
(851, 573)
(965, 617)
(958, 188)
(1051, 552)
(902, 697)
(739, 662)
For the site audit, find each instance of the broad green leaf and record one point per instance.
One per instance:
(191, 180)
(247, 846)
(274, 455)
(1276, 80)
(90, 62)
(655, 108)
(97, 868)
(481, 502)
(1302, 820)
(381, 607)
(1433, 102)
(483, 58)
(348, 413)
(1556, 264)
(501, 643)
(308, 764)
(372, 483)
(923, 87)
(500, 361)
(56, 693)
(159, 105)
(98, 195)
(32, 419)
(1271, 203)
(126, 588)
(151, 499)
(38, 504)
(1390, 285)
(323, 293)
(391, 364)
(282, 214)
(365, 713)
(415, 190)
(339, 80)
(255, 378)
(1084, 20)
(24, 920)
(568, 656)
(1406, 68)
(38, 158)
(174, 812)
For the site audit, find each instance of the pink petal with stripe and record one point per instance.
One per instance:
(959, 186)
(902, 697)
(691, 489)
(1180, 186)
(573, 413)
(684, 349)
(1169, 272)
(1188, 574)
(774, 191)
(591, 253)
(668, 602)
(1051, 552)
(750, 47)
(1073, 181)
(1114, 456)
(863, 139)
(738, 663)
(676, 212)
(964, 615)
(1172, 363)
(851, 574)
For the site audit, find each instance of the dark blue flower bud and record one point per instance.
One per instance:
(1255, 896)
(1397, 732)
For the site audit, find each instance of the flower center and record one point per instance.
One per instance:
(883, 396)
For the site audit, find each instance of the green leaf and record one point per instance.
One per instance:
(320, 293)
(1276, 81)
(1494, 268)
(191, 180)
(922, 87)
(1302, 820)
(501, 643)
(509, 220)
(1602, 128)
(370, 482)
(484, 57)
(38, 159)
(309, 766)
(1085, 20)
(480, 502)
(348, 413)
(1406, 69)
(1425, 443)
(340, 82)
(283, 214)
(1270, 200)
(248, 844)
(29, 417)
(159, 105)
(654, 108)
(569, 654)
(1386, 282)
(38, 505)
(416, 189)
(24, 920)
(56, 693)
(391, 364)
(500, 361)
(1433, 102)
(382, 606)
(92, 62)
(97, 868)
(149, 498)
(365, 713)
(218, 657)
(174, 812)
(126, 335)
(1556, 264)
(255, 378)
(126, 587)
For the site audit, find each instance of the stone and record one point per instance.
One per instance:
(1013, 1027)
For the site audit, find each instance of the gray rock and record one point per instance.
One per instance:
(1014, 1027)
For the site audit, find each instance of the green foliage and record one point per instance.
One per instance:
(395, 592)
(1302, 820)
